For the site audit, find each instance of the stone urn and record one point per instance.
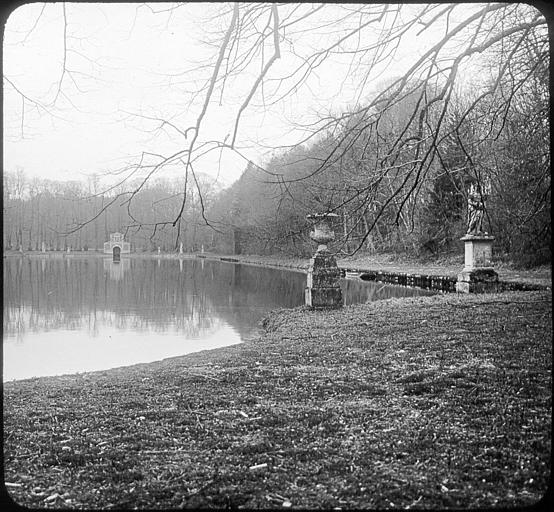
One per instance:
(323, 282)
(322, 231)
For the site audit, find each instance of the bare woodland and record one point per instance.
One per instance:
(395, 165)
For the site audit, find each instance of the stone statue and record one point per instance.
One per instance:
(475, 211)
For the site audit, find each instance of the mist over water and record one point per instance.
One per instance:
(76, 314)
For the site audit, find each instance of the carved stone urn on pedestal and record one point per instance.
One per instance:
(323, 283)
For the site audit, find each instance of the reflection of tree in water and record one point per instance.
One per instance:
(41, 295)
(243, 294)
(190, 297)
(356, 291)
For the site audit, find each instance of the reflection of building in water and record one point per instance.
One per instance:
(117, 245)
(116, 269)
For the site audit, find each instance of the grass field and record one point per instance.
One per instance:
(431, 402)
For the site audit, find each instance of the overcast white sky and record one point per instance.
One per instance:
(125, 59)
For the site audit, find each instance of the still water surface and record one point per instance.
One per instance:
(76, 314)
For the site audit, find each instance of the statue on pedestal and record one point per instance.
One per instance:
(475, 211)
(478, 275)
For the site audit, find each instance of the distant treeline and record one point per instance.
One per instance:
(81, 216)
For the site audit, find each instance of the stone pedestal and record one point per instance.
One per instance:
(478, 275)
(323, 283)
(237, 241)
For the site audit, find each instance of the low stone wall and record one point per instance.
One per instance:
(430, 282)
(433, 282)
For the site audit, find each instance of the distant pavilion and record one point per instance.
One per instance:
(117, 245)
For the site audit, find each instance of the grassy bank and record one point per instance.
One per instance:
(441, 401)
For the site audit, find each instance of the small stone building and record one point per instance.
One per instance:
(117, 245)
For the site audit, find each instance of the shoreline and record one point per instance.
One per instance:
(540, 277)
(427, 276)
(440, 277)
(450, 393)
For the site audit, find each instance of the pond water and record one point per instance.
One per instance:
(74, 314)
